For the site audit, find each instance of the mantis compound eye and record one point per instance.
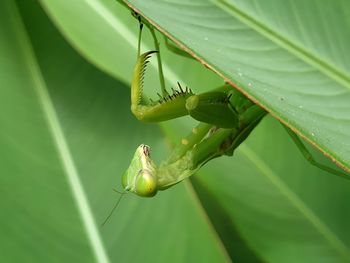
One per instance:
(146, 183)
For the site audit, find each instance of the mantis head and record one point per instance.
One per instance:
(140, 178)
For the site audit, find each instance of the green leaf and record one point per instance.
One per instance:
(264, 204)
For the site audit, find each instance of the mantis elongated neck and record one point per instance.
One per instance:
(202, 146)
(169, 174)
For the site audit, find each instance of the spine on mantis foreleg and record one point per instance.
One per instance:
(166, 107)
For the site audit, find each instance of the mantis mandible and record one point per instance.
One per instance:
(226, 118)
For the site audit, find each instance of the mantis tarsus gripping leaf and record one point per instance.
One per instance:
(226, 119)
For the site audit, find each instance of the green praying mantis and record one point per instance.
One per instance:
(226, 118)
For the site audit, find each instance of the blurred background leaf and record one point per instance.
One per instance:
(67, 136)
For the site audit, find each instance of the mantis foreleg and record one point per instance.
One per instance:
(202, 107)
(168, 106)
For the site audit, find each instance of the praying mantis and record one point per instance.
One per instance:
(226, 119)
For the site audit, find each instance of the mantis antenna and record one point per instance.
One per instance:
(114, 207)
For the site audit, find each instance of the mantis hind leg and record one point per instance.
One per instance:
(175, 49)
(308, 156)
